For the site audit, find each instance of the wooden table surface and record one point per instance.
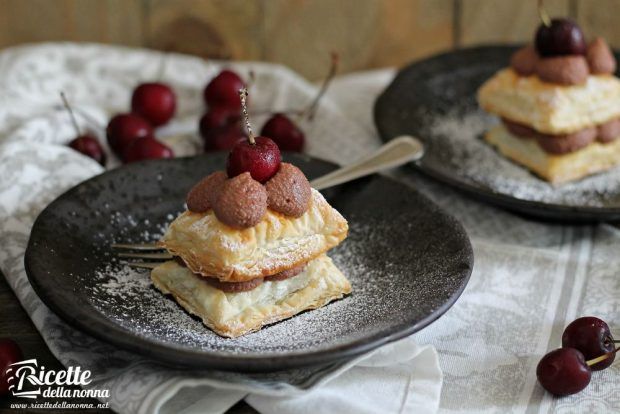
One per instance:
(16, 324)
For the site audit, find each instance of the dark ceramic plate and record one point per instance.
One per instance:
(435, 100)
(408, 262)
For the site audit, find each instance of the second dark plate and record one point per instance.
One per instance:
(435, 100)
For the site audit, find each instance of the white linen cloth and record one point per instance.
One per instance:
(36, 166)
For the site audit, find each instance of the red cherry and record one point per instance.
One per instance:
(561, 37)
(147, 148)
(10, 353)
(89, 146)
(592, 337)
(155, 102)
(225, 138)
(223, 90)
(283, 131)
(217, 118)
(124, 129)
(261, 159)
(563, 372)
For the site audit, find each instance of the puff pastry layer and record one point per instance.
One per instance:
(557, 169)
(551, 108)
(235, 314)
(276, 243)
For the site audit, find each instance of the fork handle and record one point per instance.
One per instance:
(395, 153)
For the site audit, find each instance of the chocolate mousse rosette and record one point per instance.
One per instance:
(250, 249)
(559, 103)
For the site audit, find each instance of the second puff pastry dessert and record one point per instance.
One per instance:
(250, 249)
(559, 103)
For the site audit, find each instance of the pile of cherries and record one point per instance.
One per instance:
(131, 135)
(587, 345)
(221, 126)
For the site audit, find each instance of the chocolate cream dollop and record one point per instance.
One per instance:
(600, 58)
(203, 195)
(568, 69)
(566, 143)
(241, 202)
(563, 70)
(289, 192)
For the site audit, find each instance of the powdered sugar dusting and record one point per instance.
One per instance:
(126, 296)
(457, 139)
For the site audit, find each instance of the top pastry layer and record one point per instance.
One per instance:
(550, 108)
(275, 244)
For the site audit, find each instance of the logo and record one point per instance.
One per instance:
(27, 379)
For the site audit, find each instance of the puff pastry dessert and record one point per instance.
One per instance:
(559, 107)
(238, 313)
(250, 249)
(276, 243)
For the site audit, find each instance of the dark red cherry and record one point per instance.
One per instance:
(124, 129)
(283, 131)
(261, 159)
(563, 372)
(592, 337)
(89, 146)
(218, 118)
(10, 353)
(147, 148)
(155, 102)
(561, 37)
(224, 139)
(223, 90)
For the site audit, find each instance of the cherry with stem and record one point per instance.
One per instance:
(258, 155)
(85, 144)
(542, 13)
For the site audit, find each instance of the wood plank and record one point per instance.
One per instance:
(107, 21)
(228, 29)
(366, 33)
(599, 18)
(412, 29)
(506, 21)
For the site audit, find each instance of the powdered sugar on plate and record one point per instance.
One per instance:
(456, 137)
(127, 296)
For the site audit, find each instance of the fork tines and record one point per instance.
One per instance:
(153, 254)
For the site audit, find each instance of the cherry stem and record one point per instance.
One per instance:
(71, 114)
(251, 79)
(601, 358)
(162, 66)
(243, 94)
(543, 13)
(311, 111)
(294, 112)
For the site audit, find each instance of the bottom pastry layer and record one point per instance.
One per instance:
(557, 169)
(236, 314)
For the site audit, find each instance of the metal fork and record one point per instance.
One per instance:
(393, 154)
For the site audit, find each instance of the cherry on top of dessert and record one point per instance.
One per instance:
(223, 91)
(560, 37)
(155, 102)
(259, 156)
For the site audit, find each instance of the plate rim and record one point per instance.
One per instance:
(538, 209)
(200, 358)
